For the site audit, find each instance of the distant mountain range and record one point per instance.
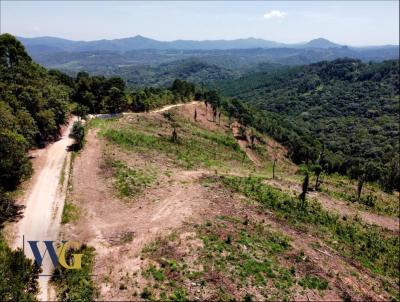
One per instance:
(52, 44)
(144, 61)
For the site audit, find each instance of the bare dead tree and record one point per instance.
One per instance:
(174, 135)
(360, 185)
(304, 190)
(214, 114)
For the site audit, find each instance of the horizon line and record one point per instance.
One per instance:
(203, 40)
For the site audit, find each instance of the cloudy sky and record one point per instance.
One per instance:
(345, 22)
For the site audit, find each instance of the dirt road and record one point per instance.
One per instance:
(162, 109)
(165, 108)
(44, 202)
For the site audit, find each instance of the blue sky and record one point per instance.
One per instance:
(346, 22)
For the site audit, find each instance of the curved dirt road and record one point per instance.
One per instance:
(44, 203)
(159, 110)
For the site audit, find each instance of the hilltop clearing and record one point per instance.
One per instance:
(176, 207)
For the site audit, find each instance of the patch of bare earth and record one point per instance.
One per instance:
(244, 143)
(106, 221)
(204, 117)
(338, 206)
(346, 279)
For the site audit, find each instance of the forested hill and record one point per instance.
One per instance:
(163, 75)
(33, 105)
(349, 107)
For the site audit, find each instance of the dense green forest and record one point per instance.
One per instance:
(33, 105)
(97, 94)
(192, 70)
(344, 114)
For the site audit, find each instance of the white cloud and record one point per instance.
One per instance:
(36, 28)
(274, 14)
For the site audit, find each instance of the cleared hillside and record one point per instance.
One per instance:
(193, 216)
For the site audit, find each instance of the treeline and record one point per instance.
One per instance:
(33, 105)
(150, 98)
(342, 114)
(97, 94)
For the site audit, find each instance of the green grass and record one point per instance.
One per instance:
(252, 266)
(132, 181)
(314, 282)
(374, 248)
(157, 274)
(226, 140)
(373, 199)
(76, 284)
(196, 147)
(70, 212)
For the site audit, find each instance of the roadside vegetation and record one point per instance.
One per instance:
(70, 212)
(76, 284)
(78, 134)
(18, 275)
(33, 107)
